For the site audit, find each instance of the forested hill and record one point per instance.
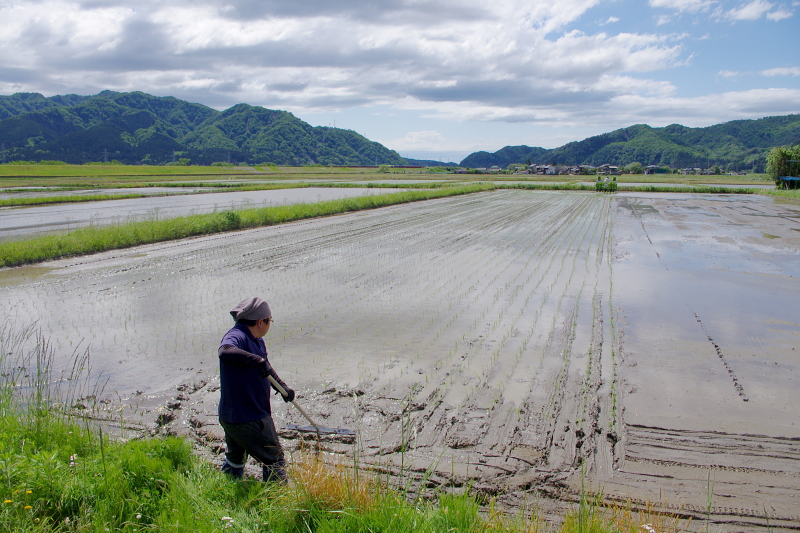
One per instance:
(740, 144)
(140, 128)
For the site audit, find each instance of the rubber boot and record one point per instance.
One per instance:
(235, 471)
(275, 473)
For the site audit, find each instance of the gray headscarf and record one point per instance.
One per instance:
(251, 309)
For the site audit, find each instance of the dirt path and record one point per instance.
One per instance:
(522, 342)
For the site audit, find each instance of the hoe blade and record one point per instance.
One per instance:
(322, 430)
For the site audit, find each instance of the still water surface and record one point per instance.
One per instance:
(26, 222)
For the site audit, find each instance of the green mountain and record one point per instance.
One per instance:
(141, 128)
(429, 163)
(736, 145)
(504, 157)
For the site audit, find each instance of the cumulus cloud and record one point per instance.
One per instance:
(786, 71)
(691, 6)
(779, 14)
(723, 9)
(316, 55)
(506, 60)
(750, 11)
(420, 140)
(708, 109)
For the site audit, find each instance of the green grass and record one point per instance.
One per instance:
(567, 186)
(116, 175)
(590, 187)
(713, 189)
(97, 239)
(791, 193)
(20, 202)
(205, 188)
(115, 170)
(55, 478)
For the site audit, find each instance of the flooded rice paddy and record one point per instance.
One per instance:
(528, 342)
(45, 192)
(27, 222)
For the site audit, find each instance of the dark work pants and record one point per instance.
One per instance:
(257, 439)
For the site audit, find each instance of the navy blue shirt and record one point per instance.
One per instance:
(244, 394)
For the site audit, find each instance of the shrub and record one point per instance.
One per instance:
(779, 163)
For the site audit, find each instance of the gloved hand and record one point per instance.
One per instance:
(289, 395)
(264, 368)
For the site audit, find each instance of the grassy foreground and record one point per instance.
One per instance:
(61, 476)
(97, 239)
(58, 473)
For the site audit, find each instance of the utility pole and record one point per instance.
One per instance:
(4, 153)
(105, 155)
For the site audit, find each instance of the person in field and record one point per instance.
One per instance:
(244, 406)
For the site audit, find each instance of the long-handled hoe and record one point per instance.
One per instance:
(314, 427)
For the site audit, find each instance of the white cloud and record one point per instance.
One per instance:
(788, 71)
(690, 6)
(750, 11)
(284, 55)
(719, 10)
(419, 140)
(60, 26)
(708, 109)
(780, 14)
(460, 60)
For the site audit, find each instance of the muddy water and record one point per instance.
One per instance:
(504, 338)
(709, 368)
(26, 222)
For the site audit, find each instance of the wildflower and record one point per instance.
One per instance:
(138, 516)
(648, 528)
(73, 459)
(28, 492)
(8, 501)
(27, 507)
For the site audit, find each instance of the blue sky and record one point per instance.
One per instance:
(429, 78)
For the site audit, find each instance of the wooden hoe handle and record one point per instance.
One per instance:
(284, 393)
